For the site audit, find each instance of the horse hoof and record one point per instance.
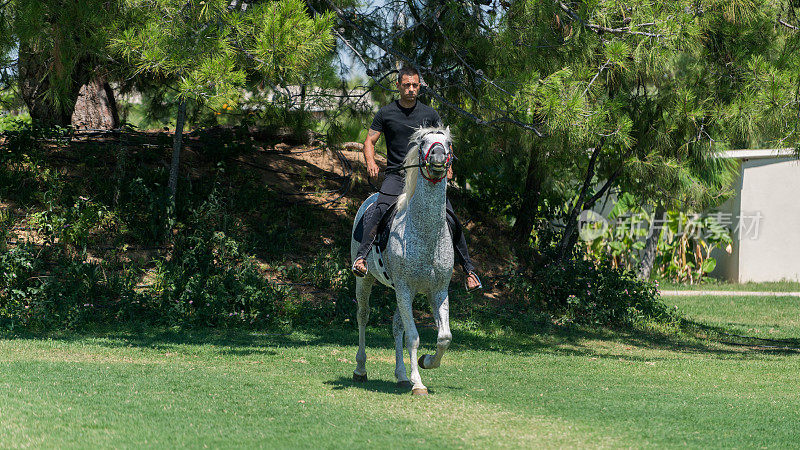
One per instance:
(359, 378)
(405, 384)
(419, 391)
(421, 361)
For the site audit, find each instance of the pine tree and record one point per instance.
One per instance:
(654, 91)
(60, 45)
(213, 47)
(579, 98)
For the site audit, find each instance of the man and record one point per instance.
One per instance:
(398, 121)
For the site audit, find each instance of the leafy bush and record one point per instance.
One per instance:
(572, 288)
(9, 122)
(143, 206)
(70, 294)
(585, 292)
(685, 241)
(211, 283)
(208, 279)
(75, 224)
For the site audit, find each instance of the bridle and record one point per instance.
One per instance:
(425, 165)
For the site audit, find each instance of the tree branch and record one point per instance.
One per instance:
(572, 219)
(389, 48)
(601, 29)
(589, 203)
(589, 175)
(602, 68)
(434, 15)
(788, 25)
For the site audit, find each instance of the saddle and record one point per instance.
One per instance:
(384, 228)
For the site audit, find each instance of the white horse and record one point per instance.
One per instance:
(418, 257)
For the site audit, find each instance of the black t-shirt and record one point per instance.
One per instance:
(398, 124)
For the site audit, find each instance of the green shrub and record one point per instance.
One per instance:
(685, 241)
(574, 289)
(208, 280)
(75, 224)
(66, 292)
(212, 283)
(142, 206)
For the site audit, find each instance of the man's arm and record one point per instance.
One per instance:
(369, 152)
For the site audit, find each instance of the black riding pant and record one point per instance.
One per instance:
(391, 188)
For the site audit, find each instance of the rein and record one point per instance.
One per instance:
(450, 160)
(388, 171)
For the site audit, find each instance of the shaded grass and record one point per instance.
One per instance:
(496, 388)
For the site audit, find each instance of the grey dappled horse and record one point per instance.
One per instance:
(418, 257)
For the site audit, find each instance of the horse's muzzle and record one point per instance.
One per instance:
(437, 160)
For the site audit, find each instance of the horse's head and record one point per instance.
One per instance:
(435, 152)
(430, 153)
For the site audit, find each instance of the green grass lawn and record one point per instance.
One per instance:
(555, 388)
(764, 317)
(710, 284)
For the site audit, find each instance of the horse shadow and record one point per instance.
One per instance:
(378, 386)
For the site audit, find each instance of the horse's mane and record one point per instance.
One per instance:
(412, 158)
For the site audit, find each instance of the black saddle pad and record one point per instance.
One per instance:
(382, 235)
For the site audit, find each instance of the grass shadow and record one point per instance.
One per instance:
(566, 341)
(501, 337)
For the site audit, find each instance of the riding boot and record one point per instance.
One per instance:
(371, 219)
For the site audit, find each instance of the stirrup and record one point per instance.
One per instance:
(479, 286)
(358, 272)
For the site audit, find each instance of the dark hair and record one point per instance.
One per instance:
(406, 70)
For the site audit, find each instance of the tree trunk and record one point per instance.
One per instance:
(570, 237)
(651, 244)
(96, 108)
(36, 89)
(529, 205)
(176, 152)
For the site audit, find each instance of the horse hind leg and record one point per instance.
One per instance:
(363, 289)
(400, 367)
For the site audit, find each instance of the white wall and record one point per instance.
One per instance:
(770, 187)
(728, 263)
(767, 209)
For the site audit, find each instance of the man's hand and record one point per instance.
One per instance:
(450, 168)
(372, 169)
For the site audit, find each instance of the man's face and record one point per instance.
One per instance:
(408, 87)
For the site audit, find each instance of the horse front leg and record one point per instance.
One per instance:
(399, 367)
(440, 304)
(404, 300)
(363, 289)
